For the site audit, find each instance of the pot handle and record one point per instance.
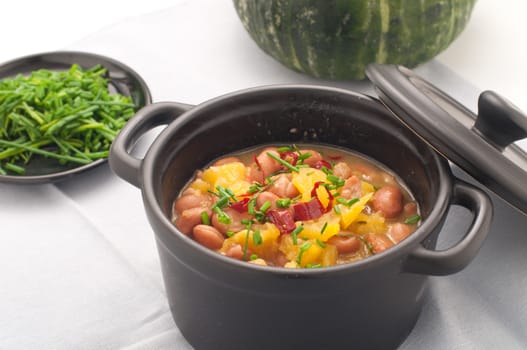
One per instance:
(121, 161)
(454, 259)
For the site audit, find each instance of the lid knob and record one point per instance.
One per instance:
(499, 121)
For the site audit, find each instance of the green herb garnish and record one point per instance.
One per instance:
(284, 149)
(248, 224)
(413, 220)
(69, 116)
(283, 202)
(295, 233)
(265, 206)
(283, 162)
(335, 180)
(257, 237)
(303, 248)
(348, 203)
(205, 219)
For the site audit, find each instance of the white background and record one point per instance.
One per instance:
(491, 53)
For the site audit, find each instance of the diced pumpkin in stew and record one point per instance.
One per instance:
(313, 228)
(200, 185)
(264, 247)
(229, 175)
(373, 223)
(305, 180)
(348, 215)
(367, 187)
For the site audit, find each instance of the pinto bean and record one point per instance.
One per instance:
(191, 201)
(226, 160)
(280, 259)
(208, 236)
(388, 200)
(352, 188)
(342, 169)
(410, 209)
(315, 157)
(236, 252)
(236, 221)
(267, 196)
(399, 231)
(283, 187)
(379, 243)
(189, 218)
(267, 164)
(345, 244)
(254, 174)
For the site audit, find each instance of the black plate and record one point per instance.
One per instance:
(123, 80)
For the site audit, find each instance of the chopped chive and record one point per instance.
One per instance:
(246, 244)
(313, 266)
(353, 201)
(283, 162)
(14, 168)
(205, 219)
(260, 216)
(257, 237)
(324, 227)
(295, 233)
(303, 248)
(251, 206)
(225, 192)
(342, 201)
(221, 203)
(412, 220)
(229, 233)
(255, 187)
(337, 209)
(284, 149)
(223, 217)
(253, 257)
(43, 111)
(321, 244)
(335, 180)
(326, 170)
(348, 203)
(283, 202)
(265, 206)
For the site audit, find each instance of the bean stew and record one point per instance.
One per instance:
(296, 207)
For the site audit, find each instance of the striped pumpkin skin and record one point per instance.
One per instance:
(336, 39)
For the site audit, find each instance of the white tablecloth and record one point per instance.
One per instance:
(78, 260)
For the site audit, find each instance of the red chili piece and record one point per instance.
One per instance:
(282, 219)
(241, 206)
(308, 211)
(290, 157)
(322, 163)
(314, 194)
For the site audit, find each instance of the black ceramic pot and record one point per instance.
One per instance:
(221, 303)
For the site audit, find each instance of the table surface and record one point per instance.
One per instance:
(78, 258)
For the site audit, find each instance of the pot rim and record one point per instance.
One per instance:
(398, 251)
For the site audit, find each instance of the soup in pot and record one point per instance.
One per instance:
(296, 207)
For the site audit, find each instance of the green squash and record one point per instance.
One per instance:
(337, 38)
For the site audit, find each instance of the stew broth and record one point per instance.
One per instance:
(296, 207)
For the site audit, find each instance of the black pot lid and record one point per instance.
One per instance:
(482, 144)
